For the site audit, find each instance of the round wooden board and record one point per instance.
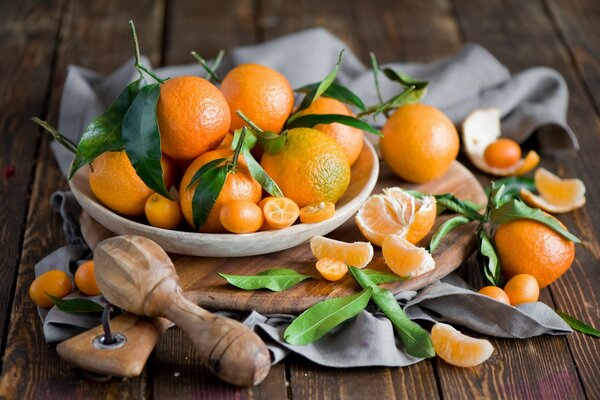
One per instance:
(199, 276)
(364, 177)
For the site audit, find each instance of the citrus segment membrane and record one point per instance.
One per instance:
(357, 254)
(404, 258)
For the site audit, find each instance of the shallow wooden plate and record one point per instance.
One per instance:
(364, 177)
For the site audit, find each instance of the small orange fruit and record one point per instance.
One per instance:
(162, 212)
(396, 212)
(279, 212)
(241, 216)
(239, 185)
(458, 349)
(530, 247)
(261, 93)
(522, 288)
(317, 212)
(331, 269)
(54, 282)
(85, 279)
(115, 183)
(502, 153)
(193, 117)
(357, 254)
(351, 139)
(419, 143)
(311, 167)
(404, 258)
(495, 293)
(556, 195)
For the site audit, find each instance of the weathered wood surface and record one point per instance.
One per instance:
(39, 39)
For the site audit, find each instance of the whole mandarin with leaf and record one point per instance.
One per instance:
(419, 143)
(85, 279)
(530, 247)
(162, 212)
(193, 117)
(54, 283)
(241, 216)
(311, 167)
(115, 183)
(351, 139)
(239, 185)
(522, 288)
(264, 95)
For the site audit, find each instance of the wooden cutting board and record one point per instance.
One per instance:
(199, 276)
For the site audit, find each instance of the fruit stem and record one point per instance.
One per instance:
(247, 120)
(210, 71)
(238, 148)
(138, 59)
(375, 68)
(59, 137)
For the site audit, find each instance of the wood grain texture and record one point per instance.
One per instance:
(28, 41)
(31, 369)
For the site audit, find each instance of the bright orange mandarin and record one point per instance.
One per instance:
(238, 186)
(495, 293)
(311, 167)
(351, 139)
(162, 212)
(502, 153)
(241, 216)
(420, 143)
(279, 212)
(332, 270)
(317, 212)
(114, 182)
(85, 279)
(530, 247)
(522, 288)
(192, 115)
(261, 93)
(54, 282)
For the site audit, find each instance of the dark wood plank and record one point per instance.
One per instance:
(31, 369)
(28, 35)
(498, 26)
(178, 375)
(577, 23)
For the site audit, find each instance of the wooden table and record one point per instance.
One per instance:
(39, 39)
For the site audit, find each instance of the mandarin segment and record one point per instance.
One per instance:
(332, 269)
(193, 117)
(458, 349)
(357, 254)
(404, 258)
(561, 192)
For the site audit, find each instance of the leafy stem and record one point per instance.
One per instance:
(210, 70)
(238, 148)
(248, 121)
(138, 59)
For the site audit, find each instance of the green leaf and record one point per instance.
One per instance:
(310, 120)
(271, 142)
(142, 139)
(276, 279)
(408, 96)
(204, 169)
(319, 319)
(76, 305)
(321, 88)
(104, 132)
(516, 209)
(377, 277)
(577, 325)
(338, 92)
(206, 192)
(261, 176)
(404, 80)
(446, 228)
(416, 340)
(513, 185)
(250, 138)
(488, 258)
(451, 202)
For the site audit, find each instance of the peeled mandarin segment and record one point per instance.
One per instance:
(557, 191)
(539, 202)
(318, 212)
(404, 258)
(357, 254)
(418, 215)
(280, 212)
(375, 221)
(332, 270)
(458, 349)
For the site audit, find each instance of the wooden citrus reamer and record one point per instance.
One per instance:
(135, 274)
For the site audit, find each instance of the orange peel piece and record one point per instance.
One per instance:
(557, 195)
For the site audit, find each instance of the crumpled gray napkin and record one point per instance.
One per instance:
(472, 79)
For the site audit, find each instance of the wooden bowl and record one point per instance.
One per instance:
(364, 177)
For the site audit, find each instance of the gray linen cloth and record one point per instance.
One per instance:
(472, 79)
